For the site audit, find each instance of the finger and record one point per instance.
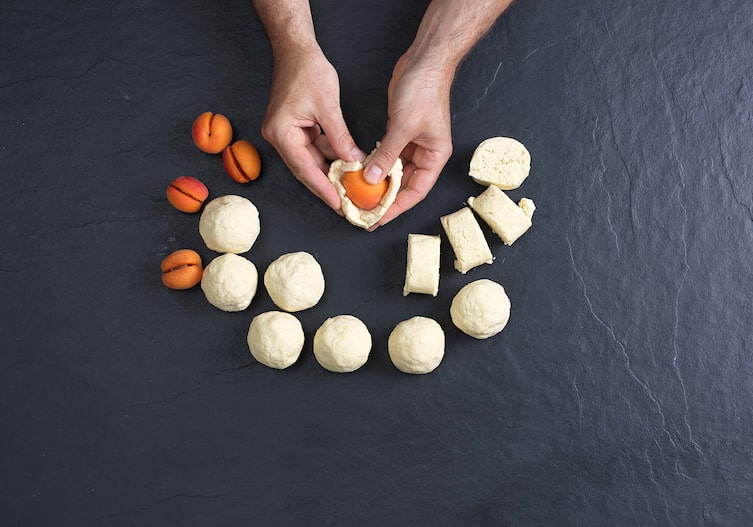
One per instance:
(306, 168)
(384, 157)
(318, 158)
(322, 143)
(339, 137)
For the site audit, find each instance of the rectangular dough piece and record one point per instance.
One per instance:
(422, 270)
(467, 240)
(508, 220)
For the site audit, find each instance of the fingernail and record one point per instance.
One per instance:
(372, 175)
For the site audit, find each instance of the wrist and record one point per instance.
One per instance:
(433, 69)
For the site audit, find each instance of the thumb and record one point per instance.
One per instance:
(339, 137)
(384, 157)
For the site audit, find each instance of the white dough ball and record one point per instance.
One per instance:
(500, 161)
(481, 309)
(342, 344)
(229, 224)
(416, 345)
(275, 339)
(229, 282)
(294, 281)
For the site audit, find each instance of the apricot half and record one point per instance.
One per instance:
(241, 161)
(363, 194)
(187, 194)
(211, 132)
(182, 269)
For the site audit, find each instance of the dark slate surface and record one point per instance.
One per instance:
(619, 394)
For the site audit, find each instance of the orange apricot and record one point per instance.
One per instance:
(363, 194)
(187, 194)
(182, 269)
(211, 132)
(241, 161)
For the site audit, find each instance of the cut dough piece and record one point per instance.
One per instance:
(500, 161)
(481, 309)
(501, 213)
(355, 215)
(416, 345)
(229, 282)
(422, 270)
(342, 344)
(275, 339)
(229, 224)
(467, 240)
(294, 281)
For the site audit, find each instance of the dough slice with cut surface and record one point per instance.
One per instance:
(467, 240)
(500, 161)
(508, 220)
(422, 269)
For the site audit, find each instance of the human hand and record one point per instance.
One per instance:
(418, 131)
(304, 105)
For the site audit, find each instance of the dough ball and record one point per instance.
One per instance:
(229, 282)
(342, 344)
(294, 281)
(275, 339)
(229, 224)
(481, 309)
(416, 345)
(355, 215)
(500, 161)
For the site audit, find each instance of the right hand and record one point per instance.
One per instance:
(304, 121)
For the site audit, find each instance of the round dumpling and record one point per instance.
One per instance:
(416, 345)
(342, 344)
(275, 339)
(481, 309)
(229, 282)
(229, 224)
(294, 281)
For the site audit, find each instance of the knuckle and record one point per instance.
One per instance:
(385, 156)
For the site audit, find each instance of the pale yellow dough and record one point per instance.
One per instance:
(355, 215)
(501, 213)
(416, 345)
(422, 268)
(229, 224)
(294, 281)
(481, 309)
(467, 240)
(275, 339)
(229, 282)
(342, 344)
(500, 161)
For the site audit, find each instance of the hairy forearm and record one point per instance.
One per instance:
(288, 23)
(448, 31)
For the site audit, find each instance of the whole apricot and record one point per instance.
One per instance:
(363, 194)
(187, 194)
(242, 162)
(182, 269)
(211, 132)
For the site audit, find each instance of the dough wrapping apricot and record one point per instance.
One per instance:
(363, 194)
